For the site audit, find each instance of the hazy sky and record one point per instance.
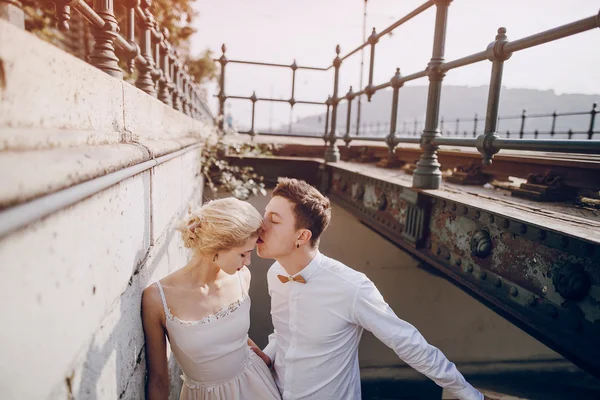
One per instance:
(280, 31)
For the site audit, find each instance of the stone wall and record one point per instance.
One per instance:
(72, 280)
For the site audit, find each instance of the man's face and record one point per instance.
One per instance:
(279, 235)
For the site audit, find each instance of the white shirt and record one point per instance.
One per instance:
(318, 326)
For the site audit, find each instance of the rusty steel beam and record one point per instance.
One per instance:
(537, 269)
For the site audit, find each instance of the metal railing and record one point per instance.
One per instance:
(472, 127)
(427, 174)
(161, 73)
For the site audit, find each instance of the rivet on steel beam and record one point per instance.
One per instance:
(571, 281)
(498, 282)
(491, 219)
(523, 228)
(506, 223)
(542, 235)
(514, 291)
(564, 241)
(458, 261)
(477, 214)
(470, 268)
(481, 244)
(532, 301)
(448, 255)
(482, 275)
(465, 210)
(438, 251)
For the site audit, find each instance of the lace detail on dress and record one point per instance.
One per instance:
(223, 312)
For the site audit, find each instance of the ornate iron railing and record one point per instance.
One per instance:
(427, 174)
(161, 73)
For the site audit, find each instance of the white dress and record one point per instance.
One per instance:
(214, 355)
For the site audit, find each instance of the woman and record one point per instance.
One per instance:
(204, 311)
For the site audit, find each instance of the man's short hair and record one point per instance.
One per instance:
(311, 209)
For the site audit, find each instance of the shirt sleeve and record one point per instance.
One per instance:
(374, 314)
(271, 347)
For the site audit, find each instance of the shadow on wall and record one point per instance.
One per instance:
(118, 343)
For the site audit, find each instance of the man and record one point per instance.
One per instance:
(319, 308)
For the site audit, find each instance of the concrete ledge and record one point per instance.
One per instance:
(26, 175)
(48, 88)
(51, 99)
(29, 174)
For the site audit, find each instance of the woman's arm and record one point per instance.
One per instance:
(156, 345)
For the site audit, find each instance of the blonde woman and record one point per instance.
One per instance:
(203, 309)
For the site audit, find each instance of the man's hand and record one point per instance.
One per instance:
(259, 352)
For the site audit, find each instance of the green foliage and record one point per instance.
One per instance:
(219, 173)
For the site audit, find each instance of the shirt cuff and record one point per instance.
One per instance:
(270, 350)
(469, 393)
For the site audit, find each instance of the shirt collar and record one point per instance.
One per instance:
(312, 267)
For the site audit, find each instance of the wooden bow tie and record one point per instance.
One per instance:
(286, 279)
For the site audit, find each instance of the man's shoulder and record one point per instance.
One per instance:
(343, 273)
(275, 268)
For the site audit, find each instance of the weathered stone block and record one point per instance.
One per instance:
(64, 93)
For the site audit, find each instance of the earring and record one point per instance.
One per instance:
(297, 246)
(215, 257)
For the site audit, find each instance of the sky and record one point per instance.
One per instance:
(281, 31)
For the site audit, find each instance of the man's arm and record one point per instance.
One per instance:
(271, 349)
(372, 313)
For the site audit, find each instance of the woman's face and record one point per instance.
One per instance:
(234, 259)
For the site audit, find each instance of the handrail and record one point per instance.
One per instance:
(489, 143)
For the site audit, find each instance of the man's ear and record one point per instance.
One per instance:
(305, 236)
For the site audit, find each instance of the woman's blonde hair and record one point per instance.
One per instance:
(220, 225)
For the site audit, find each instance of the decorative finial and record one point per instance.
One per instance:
(337, 49)
(223, 48)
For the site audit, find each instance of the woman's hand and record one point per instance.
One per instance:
(259, 352)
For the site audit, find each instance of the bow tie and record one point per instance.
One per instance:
(286, 279)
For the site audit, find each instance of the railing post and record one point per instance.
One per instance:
(144, 81)
(164, 86)
(592, 121)
(496, 54)
(332, 153)
(328, 104)
(103, 56)
(373, 39)
(12, 11)
(475, 126)
(253, 99)
(221, 96)
(522, 130)
(391, 139)
(176, 85)
(427, 175)
(552, 131)
(349, 97)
